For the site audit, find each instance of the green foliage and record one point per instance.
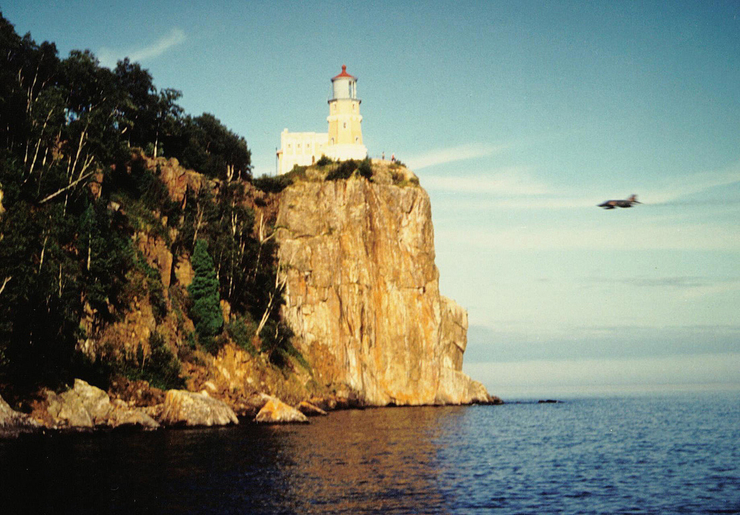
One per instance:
(365, 168)
(400, 178)
(207, 146)
(270, 184)
(154, 287)
(344, 170)
(161, 368)
(324, 161)
(276, 342)
(241, 332)
(75, 198)
(108, 254)
(205, 310)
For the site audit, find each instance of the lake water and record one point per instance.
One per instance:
(640, 454)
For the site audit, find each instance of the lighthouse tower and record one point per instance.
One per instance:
(344, 139)
(345, 121)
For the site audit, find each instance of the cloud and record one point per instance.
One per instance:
(693, 184)
(452, 154)
(109, 57)
(508, 181)
(630, 237)
(678, 282)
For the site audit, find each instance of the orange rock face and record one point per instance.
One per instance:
(362, 293)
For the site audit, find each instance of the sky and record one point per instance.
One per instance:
(519, 118)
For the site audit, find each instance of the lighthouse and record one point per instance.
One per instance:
(345, 120)
(344, 139)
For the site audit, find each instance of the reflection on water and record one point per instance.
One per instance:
(629, 455)
(352, 461)
(373, 460)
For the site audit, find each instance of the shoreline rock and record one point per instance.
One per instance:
(14, 423)
(276, 411)
(86, 406)
(184, 408)
(310, 410)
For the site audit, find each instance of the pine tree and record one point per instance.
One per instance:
(206, 310)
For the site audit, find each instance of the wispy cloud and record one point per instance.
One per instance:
(627, 237)
(678, 282)
(109, 57)
(688, 286)
(513, 181)
(452, 154)
(694, 184)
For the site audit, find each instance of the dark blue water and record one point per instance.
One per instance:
(670, 454)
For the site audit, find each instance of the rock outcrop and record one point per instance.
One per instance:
(86, 406)
(195, 409)
(310, 410)
(276, 411)
(362, 291)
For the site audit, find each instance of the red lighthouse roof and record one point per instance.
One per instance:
(344, 74)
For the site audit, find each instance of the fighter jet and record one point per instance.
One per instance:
(611, 204)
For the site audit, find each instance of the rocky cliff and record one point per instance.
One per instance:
(355, 265)
(362, 290)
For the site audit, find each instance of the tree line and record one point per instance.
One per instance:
(68, 130)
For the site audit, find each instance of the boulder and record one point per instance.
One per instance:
(276, 411)
(195, 409)
(310, 410)
(121, 414)
(86, 406)
(83, 405)
(13, 422)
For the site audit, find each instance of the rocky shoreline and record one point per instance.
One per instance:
(84, 407)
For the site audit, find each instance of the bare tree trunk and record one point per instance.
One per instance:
(38, 143)
(200, 209)
(89, 250)
(279, 284)
(43, 251)
(5, 283)
(68, 187)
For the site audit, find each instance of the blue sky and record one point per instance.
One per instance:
(518, 117)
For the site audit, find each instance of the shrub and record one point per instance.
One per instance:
(272, 184)
(277, 344)
(365, 169)
(241, 332)
(161, 368)
(343, 171)
(324, 161)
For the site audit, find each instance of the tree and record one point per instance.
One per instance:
(206, 310)
(138, 108)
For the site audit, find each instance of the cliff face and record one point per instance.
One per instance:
(362, 291)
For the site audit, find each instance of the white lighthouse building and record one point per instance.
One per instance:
(344, 139)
